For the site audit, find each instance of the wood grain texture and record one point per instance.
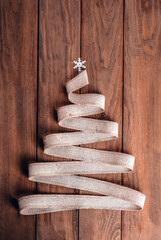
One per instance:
(100, 42)
(18, 97)
(142, 115)
(102, 46)
(59, 45)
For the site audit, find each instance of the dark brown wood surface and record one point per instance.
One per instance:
(101, 46)
(59, 45)
(142, 115)
(18, 113)
(121, 42)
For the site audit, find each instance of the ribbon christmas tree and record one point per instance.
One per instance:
(87, 160)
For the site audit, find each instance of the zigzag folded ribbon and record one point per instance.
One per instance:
(88, 161)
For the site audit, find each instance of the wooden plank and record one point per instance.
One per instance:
(102, 47)
(142, 115)
(59, 45)
(18, 97)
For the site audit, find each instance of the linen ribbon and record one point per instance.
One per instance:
(87, 160)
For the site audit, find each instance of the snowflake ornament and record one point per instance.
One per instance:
(79, 64)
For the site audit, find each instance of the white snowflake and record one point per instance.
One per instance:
(79, 64)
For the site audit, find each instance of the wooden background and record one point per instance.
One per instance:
(121, 41)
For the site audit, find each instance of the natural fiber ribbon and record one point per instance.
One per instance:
(88, 161)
